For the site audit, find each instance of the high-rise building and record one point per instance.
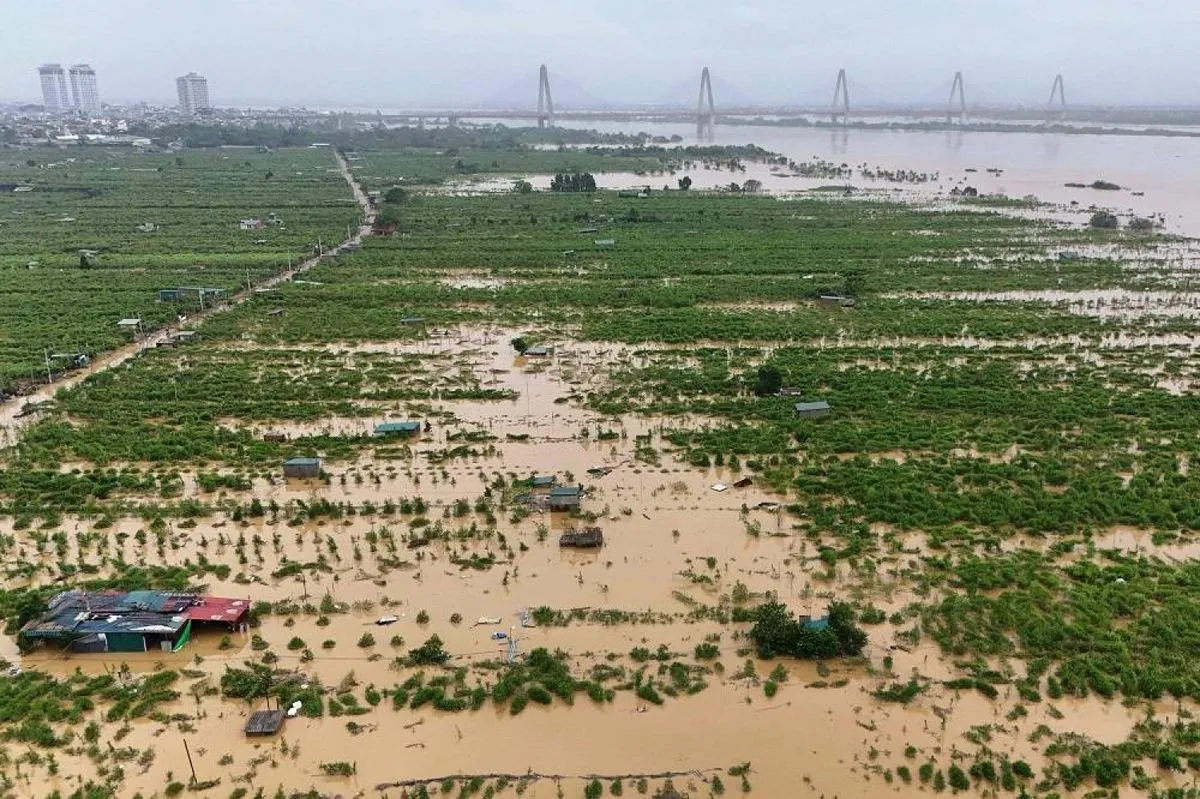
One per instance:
(84, 89)
(54, 88)
(193, 93)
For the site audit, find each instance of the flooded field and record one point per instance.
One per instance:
(544, 508)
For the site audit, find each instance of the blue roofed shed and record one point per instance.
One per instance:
(565, 497)
(544, 481)
(806, 409)
(816, 625)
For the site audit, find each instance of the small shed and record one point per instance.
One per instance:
(790, 391)
(170, 295)
(275, 437)
(605, 242)
(565, 497)
(544, 481)
(587, 538)
(538, 351)
(808, 409)
(412, 320)
(403, 429)
(816, 624)
(835, 301)
(302, 467)
(264, 722)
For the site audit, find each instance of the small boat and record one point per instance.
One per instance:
(383, 621)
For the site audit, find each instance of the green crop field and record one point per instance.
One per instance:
(95, 199)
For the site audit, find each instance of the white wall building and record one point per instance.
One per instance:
(54, 88)
(193, 93)
(84, 90)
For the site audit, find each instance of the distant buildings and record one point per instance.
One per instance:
(54, 88)
(84, 96)
(84, 90)
(193, 93)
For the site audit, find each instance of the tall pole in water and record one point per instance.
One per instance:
(957, 86)
(545, 110)
(840, 89)
(706, 118)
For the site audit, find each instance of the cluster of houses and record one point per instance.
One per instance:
(130, 621)
(254, 223)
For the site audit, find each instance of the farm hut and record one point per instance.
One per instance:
(351, 246)
(251, 224)
(544, 481)
(815, 624)
(810, 409)
(275, 437)
(745, 482)
(790, 391)
(835, 301)
(565, 497)
(134, 621)
(538, 351)
(184, 336)
(412, 320)
(587, 538)
(170, 295)
(401, 429)
(303, 468)
(605, 242)
(264, 722)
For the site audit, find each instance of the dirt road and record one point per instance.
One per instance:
(11, 420)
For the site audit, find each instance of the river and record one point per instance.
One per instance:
(1164, 169)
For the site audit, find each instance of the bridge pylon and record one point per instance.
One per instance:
(545, 110)
(842, 90)
(706, 113)
(956, 86)
(1057, 88)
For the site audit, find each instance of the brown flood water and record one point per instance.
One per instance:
(662, 522)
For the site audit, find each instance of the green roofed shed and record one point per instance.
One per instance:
(302, 467)
(398, 429)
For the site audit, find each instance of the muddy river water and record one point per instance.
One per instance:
(671, 541)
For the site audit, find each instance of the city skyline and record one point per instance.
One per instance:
(463, 52)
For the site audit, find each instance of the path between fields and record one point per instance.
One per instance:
(12, 422)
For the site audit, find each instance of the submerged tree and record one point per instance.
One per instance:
(777, 632)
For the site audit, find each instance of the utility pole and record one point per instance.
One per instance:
(191, 765)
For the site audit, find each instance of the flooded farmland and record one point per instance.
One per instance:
(993, 483)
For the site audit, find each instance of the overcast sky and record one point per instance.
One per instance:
(398, 53)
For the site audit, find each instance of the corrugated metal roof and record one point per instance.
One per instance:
(398, 427)
(809, 407)
(302, 462)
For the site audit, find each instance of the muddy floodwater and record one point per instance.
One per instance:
(679, 544)
(676, 539)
